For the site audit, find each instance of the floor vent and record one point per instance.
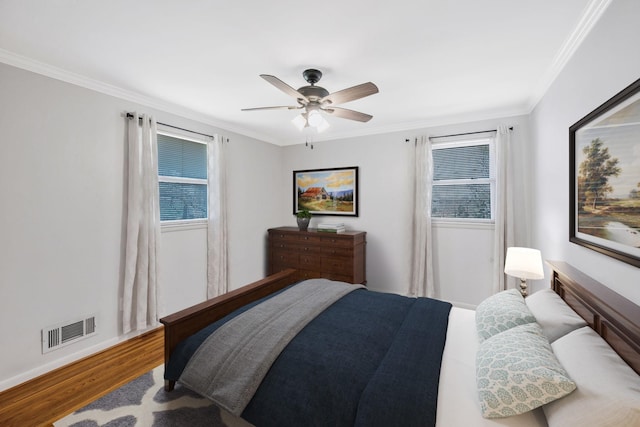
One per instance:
(58, 336)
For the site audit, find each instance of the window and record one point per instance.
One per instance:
(182, 175)
(463, 180)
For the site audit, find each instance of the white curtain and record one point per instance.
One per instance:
(422, 282)
(140, 298)
(504, 216)
(217, 252)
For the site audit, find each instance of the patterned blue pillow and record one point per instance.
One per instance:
(501, 312)
(516, 372)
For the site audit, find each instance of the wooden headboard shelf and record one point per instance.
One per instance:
(612, 316)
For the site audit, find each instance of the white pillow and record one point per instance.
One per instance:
(500, 312)
(608, 392)
(553, 314)
(516, 372)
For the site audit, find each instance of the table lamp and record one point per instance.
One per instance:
(524, 263)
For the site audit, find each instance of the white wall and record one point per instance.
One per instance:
(604, 64)
(62, 204)
(463, 256)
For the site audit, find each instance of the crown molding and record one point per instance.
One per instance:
(28, 64)
(47, 70)
(590, 16)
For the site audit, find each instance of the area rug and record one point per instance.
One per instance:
(144, 403)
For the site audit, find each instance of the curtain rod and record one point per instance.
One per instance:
(467, 133)
(130, 116)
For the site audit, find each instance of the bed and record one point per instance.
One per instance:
(601, 389)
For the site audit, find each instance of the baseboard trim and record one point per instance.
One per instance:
(51, 396)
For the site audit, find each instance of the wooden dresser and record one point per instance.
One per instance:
(335, 256)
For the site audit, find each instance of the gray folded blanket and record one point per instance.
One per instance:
(230, 364)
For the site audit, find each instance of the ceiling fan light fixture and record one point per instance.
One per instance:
(324, 125)
(312, 119)
(315, 119)
(314, 99)
(299, 121)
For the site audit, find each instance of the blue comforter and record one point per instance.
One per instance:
(370, 359)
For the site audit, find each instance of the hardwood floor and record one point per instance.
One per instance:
(49, 397)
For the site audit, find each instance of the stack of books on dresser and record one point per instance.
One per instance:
(331, 228)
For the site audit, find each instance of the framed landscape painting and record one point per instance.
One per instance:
(326, 191)
(604, 152)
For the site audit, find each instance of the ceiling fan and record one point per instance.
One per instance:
(315, 99)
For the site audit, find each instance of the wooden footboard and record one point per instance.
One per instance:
(185, 323)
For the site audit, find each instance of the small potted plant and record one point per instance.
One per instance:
(303, 217)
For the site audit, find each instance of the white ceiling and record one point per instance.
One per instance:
(434, 61)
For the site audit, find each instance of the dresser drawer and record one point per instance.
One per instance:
(309, 262)
(283, 236)
(310, 238)
(286, 258)
(282, 245)
(337, 251)
(295, 238)
(337, 265)
(336, 241)
(294, 246)
(307, 249)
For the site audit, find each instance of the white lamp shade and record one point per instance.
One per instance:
(299, 121)
(525, 263)
(323, 125)
(311, 119)
(314, 118)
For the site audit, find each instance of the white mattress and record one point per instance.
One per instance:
(458, 404)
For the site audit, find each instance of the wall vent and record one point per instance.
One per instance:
(63, 334)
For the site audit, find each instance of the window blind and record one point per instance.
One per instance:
(462, 184)
(181, 157)
(182, 172)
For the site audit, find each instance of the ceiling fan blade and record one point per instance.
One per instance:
(348, 114)
(282, 107)
(285, 88)
(350, 94)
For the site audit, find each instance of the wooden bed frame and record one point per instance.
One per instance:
(185, 323)
(612, 316)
